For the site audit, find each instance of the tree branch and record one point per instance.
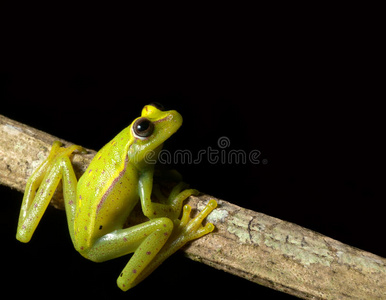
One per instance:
(260, 248)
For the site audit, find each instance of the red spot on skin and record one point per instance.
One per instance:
(71, 202)
(81, 248)
(134, 271)
(125, 239)
(148, 252)
(166, 234)
(48, 180)
(90, 171)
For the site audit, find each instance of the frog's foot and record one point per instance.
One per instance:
(189, 229)
(185, 230)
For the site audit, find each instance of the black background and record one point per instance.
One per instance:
(304, 91)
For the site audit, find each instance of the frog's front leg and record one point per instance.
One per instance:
(172, 208)
(41, 187)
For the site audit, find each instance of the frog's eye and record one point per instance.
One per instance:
(157, 105)
(142, 128)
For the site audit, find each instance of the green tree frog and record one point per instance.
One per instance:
(98, 205)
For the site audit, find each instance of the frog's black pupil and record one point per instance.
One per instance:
(143, 126)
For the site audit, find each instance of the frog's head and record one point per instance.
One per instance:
(150, 131)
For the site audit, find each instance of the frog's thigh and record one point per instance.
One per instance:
(146, 240)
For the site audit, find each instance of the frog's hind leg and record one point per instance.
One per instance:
(187, 230)
(41, 187)
(145, 240)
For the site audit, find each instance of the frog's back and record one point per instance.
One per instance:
(107, 192)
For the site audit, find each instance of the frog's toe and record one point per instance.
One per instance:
(193, 228)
